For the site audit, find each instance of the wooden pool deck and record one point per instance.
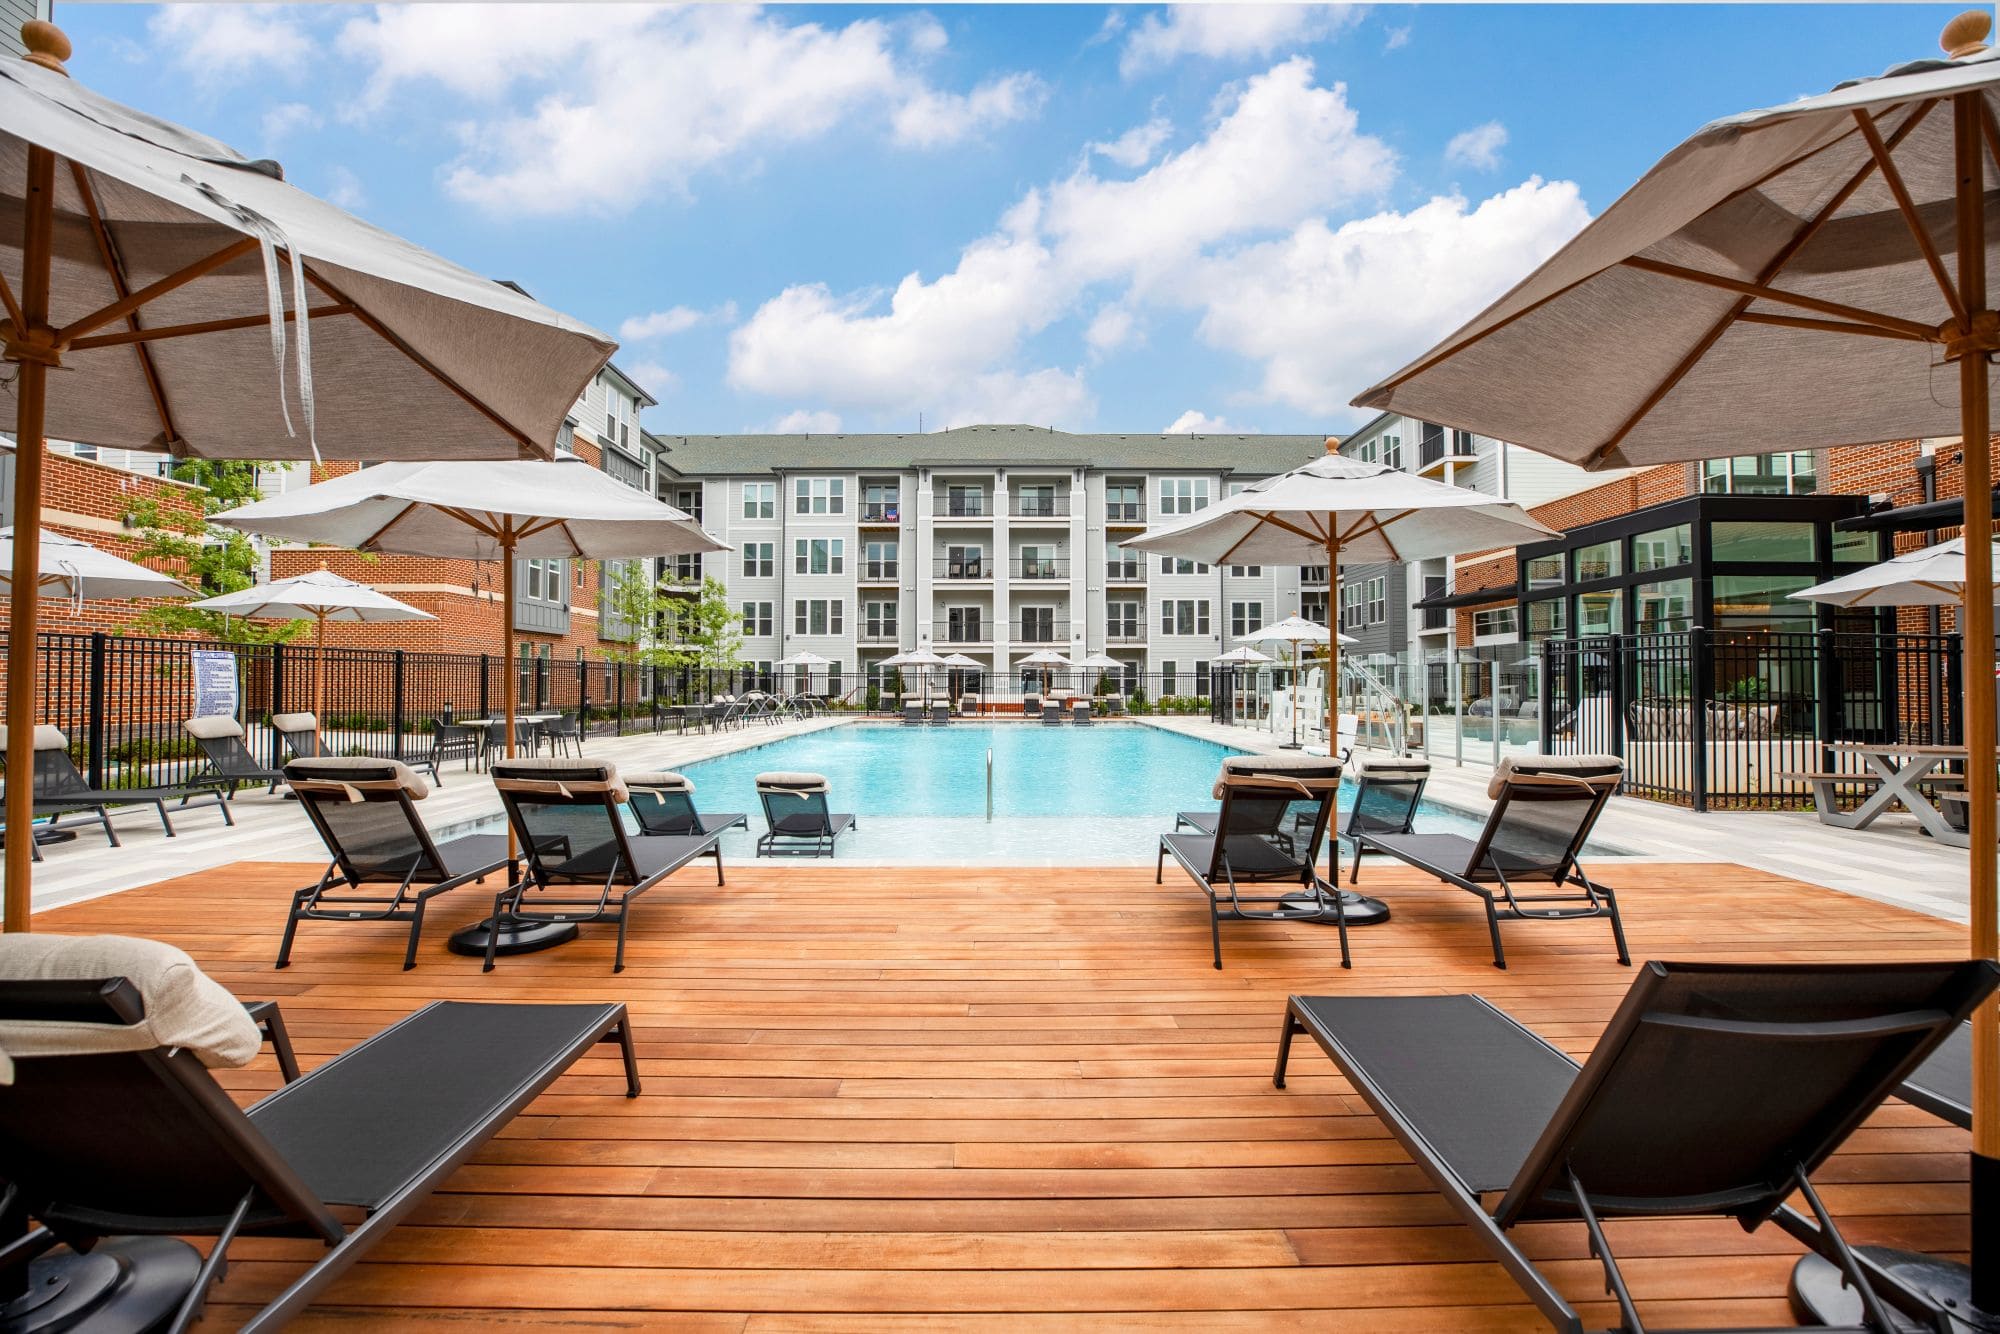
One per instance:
(888, 1099)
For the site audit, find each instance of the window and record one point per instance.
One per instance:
(1662, 549)
(760, 500)
(534, 579)
(817, 616)
(819, 495)
(965, 501)
(1545, 571)
(1035, 502)
(878, 620)
(1201, 676)
(1367, 451)
(1246, 572)
(881, 502)
(878, 560)
(1494, 622)
(1121, 620)
(756, 618)
(688, 500)
(1600, 561)
(1038, 625)
(1120, 565)
(961, 625)
(1124, 502)
(1547, 619)
(1184, 616)
(1312, 606)
(1038, 562)
(616, 430)
(1175, 565)
(759, 560)
(1762, 602)
(1245, 617)
(1392, 450)
(1350, 606)
(965, 562)
(1601, 613)
(1664, 608)
(1378, 599)
(1784, 474)
(819, 555)
(1763, 543)
(1167, 677)
(544, 579)
(1856, 548)
(1183, 495)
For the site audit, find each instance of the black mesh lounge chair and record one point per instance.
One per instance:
(1387, 790)
(1268, 835)
(364, 811)
(1031, 706)
(1716, 1091)
(797, 822)
(583, 865)
(663, 803)
(300, 733)
(1079, 712)
(230, 763)
(115, 1139)
(913, 713)
(1543, 811)
(940, 712)
(1052, 714)
(1942, 1085)
(61, 790)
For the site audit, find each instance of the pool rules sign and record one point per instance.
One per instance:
(215, 687)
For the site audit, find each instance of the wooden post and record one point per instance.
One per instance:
(1332, 639)
(508, 684)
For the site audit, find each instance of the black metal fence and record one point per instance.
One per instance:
(1715, 720)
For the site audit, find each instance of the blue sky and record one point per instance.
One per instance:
(1090, 217)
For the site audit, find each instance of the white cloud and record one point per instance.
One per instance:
(654, 377)
(632, 103)
(1229, 31)
(1192, 422)
(217, 42)
(1328, 310)
(1478, 147)
(660, 324)
(281, 122)
(807, 421)
(344, 189)
(1397, 39)
(1110, 329)
(1135, 147)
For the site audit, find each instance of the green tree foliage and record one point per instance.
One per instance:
(212, 559)
(704, 631)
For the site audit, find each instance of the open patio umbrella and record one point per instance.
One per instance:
(1296, 630)
(958, 662)
(140, 281)
(1048, 660)
(319, 597)
(806, 660)
(77, 572)
(1809, 268)
(1243, 657)
(1933, 576)
(1335, 508)
(917, 657)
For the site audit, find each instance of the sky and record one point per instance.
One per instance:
(866, 218)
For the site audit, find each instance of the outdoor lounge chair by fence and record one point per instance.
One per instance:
(1031, 706)
(1387, 789)
(1942, 1085)
(663, 803)
(940, 712)
(1052, 714)
(1267, 834)
(797, 821)
(115, 1138)
(230, 763)
(968, 704)
(1716, 1091)
(364, 812)
(300, 733)
(1543, 811)
(566, 815)
(913, 713)
(1079, 712)
(60, 790)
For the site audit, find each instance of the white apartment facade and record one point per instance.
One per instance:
(992, 542)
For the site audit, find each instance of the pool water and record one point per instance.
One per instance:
(1067, 796)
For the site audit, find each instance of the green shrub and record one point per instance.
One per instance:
(874, 698)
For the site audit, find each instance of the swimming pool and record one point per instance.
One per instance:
(1068, 796)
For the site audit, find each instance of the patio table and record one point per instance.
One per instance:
(1898, 770)
(524, 723)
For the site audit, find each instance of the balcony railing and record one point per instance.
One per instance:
(1035, 630)
(964, 507)
(1313, 576)
(1125, 572)
(1124, 633)
(1125, 511)
(876, 634)
(1445, 444)
(1437, 618)
(881, 511)
(1031, 568)
(976, 633)
(1038, 507)
(878, 571)
(964, 567)
(682, 570)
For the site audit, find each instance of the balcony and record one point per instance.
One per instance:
(1039, 630)
(1436, 618)
(1125, 513)
(682, 572)
(877, 572)
(963, 569)
(976, 633)
(951, 508)
(1126, 632)
(1033, 569)
(1038, 507)
(1435, 449)
(1312, 576)
(1125, 572)
(881, 513)
(877, 634)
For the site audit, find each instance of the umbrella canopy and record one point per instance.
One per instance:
(79, 571)
(960, 661)
(1292, 630)
(1806, 267)
(1045, 657)
(164, 276)
(803, 659)
(916, 657)
(1931, 577)
(1099, 661)
(1243, 656)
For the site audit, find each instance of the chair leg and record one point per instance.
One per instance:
(416, 929)
(1290, 1026)
(1160, 866)
(631, 1057)
(291, 932)
(624, 916)
(493, 934)
(1215, 932)
(165, 823)
(1493, 929)
(1617, 926)
(104, 818)
(717, 854)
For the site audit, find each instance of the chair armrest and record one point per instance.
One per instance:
(271, 1024)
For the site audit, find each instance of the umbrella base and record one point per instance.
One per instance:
(1288, 745)
(1820, 1294)
(1360, 910)
(124, 1284)
(515, 936)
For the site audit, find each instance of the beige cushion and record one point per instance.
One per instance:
(351, 769)
(1598, 770)
(662, 780)
(789, 781)
(553, 772)
(1318, 767)
(184, 1006)
(46, 737)
(294, 722)
(1390, 768)
(211, 726)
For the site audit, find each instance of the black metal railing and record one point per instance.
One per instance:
(1124, 511)
(876, 634)
(878, 571)
(1038, 630)
(1038, 507)
(1116, 633)
(1125, 572)
(881, 511)
(1038, 567)
(964, 567)
(978, 632)
(964, 507)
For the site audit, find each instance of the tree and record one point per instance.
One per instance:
(704, 631)
(212, 559)
(635, 609)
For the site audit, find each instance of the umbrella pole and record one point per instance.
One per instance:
(1332, 640)
(319, 668)
(33, 351)
(507, 680)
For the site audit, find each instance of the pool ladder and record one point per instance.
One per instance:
(989, 783)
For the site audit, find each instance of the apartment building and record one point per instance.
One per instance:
(989, 541)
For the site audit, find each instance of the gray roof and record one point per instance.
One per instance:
(1013, 446)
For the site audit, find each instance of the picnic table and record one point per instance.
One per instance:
(1897, 773)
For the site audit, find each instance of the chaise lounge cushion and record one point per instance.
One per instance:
(294, 722)
(1390, 769)
(787, 781)
(46, 737)
(660, 780)
(579, 777)
(184, 1006)
(1598, 770)
(213, 726)
(1303, 766)
(351, 769)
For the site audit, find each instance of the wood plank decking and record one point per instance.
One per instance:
(1008, 1099)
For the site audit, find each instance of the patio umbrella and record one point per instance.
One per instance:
(77, 571)
(1335, 508)
(917, 657)
(958, 662)
(1048, 660)
(1296, 630)
(1243, 657)
(164, 275)
(319, 597)
(805, 660)
(1807, 268)
(1931, 577)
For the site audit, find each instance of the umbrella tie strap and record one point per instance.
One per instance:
(270, 239)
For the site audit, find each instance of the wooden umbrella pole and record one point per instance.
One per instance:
(507, 682)
(1332, 639)
(33, 350)
(1973, 367)
(319, 669)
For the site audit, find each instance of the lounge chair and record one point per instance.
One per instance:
(1543, 811)
(663, 803)
(1117, 706)
(364, 811)
(1267, 834)
(1031, 706)
(230, 763)
(1387, 790)
(566, 815)
(968, 704)
(300, 734)
(913, 713)
(61, 790)
(1079, 712)
(797, 821)
(1716, 1091)
(115, 1138)
(940, 712)
(1942, 1085)
(1052, 714)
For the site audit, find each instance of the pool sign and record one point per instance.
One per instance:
(214, 683)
